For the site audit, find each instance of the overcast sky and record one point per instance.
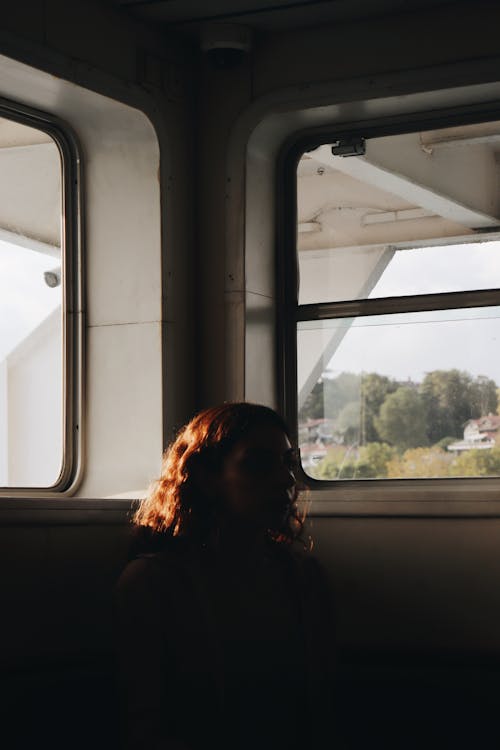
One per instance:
(408, 346)
(450, 268)
(402, 346)
(25, 298)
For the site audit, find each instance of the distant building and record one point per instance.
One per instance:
(316, 430)
(311, 454)
(479, 434)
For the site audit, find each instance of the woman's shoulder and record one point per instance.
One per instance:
(310, 570)
(146, 541)
(139, 582)
(139, 570)
(302, 560)
(303, 556)
(149, 572)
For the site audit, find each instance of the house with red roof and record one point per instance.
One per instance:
(479, 434)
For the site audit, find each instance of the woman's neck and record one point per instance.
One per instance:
(238, 541)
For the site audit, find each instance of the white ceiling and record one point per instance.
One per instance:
(406, 188)
(13, 134)
(187, 15)
(30, 188)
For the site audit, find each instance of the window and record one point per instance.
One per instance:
(37, 335)
(397, 336)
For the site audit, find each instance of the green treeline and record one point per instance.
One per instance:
(377, 422)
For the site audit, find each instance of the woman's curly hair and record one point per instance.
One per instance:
(176, 505)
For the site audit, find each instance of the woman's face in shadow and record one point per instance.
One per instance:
(257, 484)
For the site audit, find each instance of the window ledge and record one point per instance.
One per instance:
(447, 498)
(64, 510)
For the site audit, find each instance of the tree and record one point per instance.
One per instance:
(330, 395)
(401, 421)
(313, 406)
(420, 462)
(451, 398)
(340, 391)
(348, 423)
(484, 396)
(445, 442)
(374, 390)
(368, 462)
(477, 463)
(446, 397)
(346, 468)
(376, 456)
(329, 467)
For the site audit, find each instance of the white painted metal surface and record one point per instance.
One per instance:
(30, 193)
(34, 381)
(123, 262)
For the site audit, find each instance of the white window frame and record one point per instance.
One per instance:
(135, 373)
(73, 297)
(260, 144)
(425, 490)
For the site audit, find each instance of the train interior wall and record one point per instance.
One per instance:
(417, 598)
(417, 610)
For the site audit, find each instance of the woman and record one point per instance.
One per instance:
(224, 628)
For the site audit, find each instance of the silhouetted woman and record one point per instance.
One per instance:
(224, 628)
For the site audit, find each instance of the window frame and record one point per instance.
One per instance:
(73, 298)
(290, 313)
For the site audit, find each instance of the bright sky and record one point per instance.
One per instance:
(401, 346)
(25, 298)
(450, 268)
(408, 346)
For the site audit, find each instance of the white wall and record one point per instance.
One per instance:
(120, 425)
(4, 416)
(30, 192)
(35, 401)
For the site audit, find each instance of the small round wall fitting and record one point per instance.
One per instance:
(226, 44)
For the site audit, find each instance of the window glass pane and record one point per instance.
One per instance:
(31, 343)
(372, 273)
(417, 213)
(398, 396)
